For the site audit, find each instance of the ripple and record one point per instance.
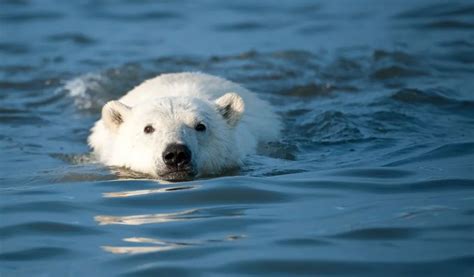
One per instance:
(77, 38)
(81, 177)
(30, 16)
(425, 210)
(45, 101)
(457, 43)
(383, 188)
(375, 173)
(23, 120)
(395, 71)
(459, 266)
(139, 17)
(395, 56)
(331, 127)
(292, 267)
(303, 242)
(47, 228)
(241, 26)
(438, 10)
(379, 234)
(145, 219)
(223, 194)
(36, 253)
(443, 152)
(212, 225)
(31, 192)
(11, 70)
(317, 90)
(164, 271)
(41, 206)
(435, 97)
(30, 85)
(132, 193)
(169, 217)
(157, 246)
(13, 48)
(316, 29)
(91, 91)
(74, 159)
(448, 25)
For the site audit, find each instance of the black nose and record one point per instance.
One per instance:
(176, 155)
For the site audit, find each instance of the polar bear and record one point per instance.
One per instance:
(182, 126)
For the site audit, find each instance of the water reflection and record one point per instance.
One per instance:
(145, 191)
(161, 245)
(142, 245)
(157, 246)
(432, 210)
(144, 219)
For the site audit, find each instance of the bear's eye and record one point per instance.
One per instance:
(200, 127)
(148, 129)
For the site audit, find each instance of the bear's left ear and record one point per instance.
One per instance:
(231, 106)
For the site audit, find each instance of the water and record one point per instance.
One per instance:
(374, 176)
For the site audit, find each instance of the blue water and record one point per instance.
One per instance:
(373, 177)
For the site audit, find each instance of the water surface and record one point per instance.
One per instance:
(373, 177)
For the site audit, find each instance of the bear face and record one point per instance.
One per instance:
(174, 138)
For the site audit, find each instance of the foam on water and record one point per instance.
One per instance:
(79, 89)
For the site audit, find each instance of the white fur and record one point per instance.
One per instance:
(173, 104)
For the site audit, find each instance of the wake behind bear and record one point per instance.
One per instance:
(182, 126)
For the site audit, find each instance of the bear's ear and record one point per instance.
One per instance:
(114, 113)
(231, 106)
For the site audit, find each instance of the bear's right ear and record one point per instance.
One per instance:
(114, 113)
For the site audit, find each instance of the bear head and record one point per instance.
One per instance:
(175, 138)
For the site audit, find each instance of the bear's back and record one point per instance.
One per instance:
(188, 84)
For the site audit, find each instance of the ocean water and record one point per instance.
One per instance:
(374, 175)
